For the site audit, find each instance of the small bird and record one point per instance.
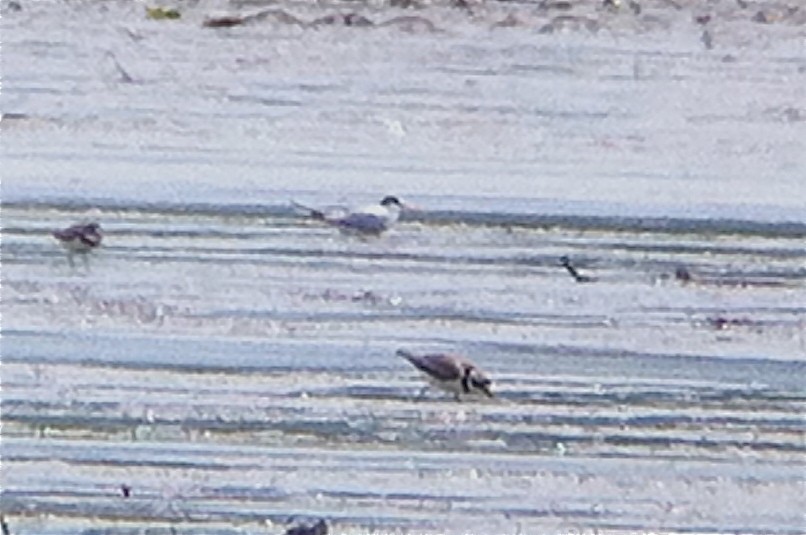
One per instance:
(80, 238)
(682, 274)
(452, 373)
(372, 219)
(566, 263)
(320, 528)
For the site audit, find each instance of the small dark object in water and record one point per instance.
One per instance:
(229, 21)
(354, 19)
(226, 21)
(566, 263)
(682, 274)
(320, 528)
(367, 296)
(4, 526)
(125, 490)
(722, 323)
(559, 5)
(702, 19)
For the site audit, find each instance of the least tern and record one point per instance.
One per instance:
(372, 219)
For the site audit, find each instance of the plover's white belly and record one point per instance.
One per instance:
(453, 387)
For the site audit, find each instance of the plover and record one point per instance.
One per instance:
(320, 528)
(452, 373)
(80, 238)
(372, 219)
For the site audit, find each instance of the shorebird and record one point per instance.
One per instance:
(80, 238)
(454, 374)
(320, 528)
(372, 219)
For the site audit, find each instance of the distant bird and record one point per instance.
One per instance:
(454, 374)
(372, 219)
(320, 528)
(79, 238)
(566, 263)
(682, 274)
(125, 490)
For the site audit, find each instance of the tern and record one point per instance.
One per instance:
(452, 373)
(372, 219)
(80, 238)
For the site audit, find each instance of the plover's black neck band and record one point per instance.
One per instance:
(466, 380)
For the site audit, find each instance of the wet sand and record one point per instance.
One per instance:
(232, 364)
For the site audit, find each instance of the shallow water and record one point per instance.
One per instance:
(233, 363)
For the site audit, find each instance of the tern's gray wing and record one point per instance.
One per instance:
(368, 223)
(440, 366)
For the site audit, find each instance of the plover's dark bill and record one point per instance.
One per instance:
(452, 373)
(372, 219)
(80, 238)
